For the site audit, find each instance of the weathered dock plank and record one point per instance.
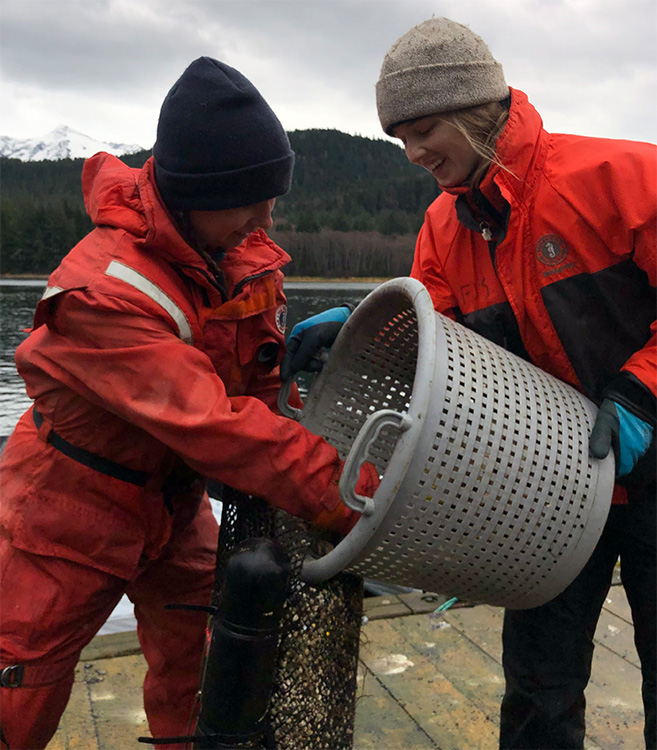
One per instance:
(115, 691)
(410, 674)
(76, 728)
(381, 722)
(425, 683)
(616, 602)
(618, 636)
(106, 707)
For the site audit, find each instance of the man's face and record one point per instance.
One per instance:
(438, 147)
(228, 228)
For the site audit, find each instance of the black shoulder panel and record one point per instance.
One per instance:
(601, 320)
(497, 323)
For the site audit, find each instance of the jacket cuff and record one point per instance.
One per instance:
(628, 391)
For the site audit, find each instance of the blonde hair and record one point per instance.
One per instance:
(481, 126)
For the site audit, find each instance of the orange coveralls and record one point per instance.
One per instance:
(140, 363)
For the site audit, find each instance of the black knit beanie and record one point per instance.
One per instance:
(219, 145)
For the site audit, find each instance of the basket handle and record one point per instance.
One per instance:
(285, 408)
(359, 453)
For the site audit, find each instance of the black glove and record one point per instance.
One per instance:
(618, 425)
(309, 337)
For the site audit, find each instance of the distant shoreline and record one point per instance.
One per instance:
(295, 279)
(342, 280)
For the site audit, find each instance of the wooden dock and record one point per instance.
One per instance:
(424, 682)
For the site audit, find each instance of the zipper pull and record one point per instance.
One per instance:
(485, 231)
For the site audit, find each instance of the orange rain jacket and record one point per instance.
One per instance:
(142, 358)
(554, 257)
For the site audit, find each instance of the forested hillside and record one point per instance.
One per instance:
(354, 209)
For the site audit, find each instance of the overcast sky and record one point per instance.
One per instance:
(103, 66)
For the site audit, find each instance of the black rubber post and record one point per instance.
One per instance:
(241, 660)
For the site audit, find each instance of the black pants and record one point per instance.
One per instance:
(547, 651)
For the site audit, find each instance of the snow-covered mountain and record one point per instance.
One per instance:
(61, 143)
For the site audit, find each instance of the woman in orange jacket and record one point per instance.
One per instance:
(544, 244)
(153, 363)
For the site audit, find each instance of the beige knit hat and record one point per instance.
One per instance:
(438, 66)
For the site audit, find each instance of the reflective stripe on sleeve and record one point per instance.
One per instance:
(145, 285)
(51, 291)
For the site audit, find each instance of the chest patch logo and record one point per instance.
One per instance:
(281, 318)
(551, 250)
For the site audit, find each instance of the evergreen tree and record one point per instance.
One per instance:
(345, 188)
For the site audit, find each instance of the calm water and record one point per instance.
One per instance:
(19, 298)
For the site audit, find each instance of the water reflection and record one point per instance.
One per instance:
(19, 298)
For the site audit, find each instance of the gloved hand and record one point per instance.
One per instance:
(342, 519)
(309, 337)
(615, 427)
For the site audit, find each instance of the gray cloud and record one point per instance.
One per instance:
(588, 65)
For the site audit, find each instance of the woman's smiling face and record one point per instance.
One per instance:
(440, 148)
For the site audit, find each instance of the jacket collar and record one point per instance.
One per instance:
(521, 148)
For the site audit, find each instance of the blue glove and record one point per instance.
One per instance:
(309, 337)
(629, 436)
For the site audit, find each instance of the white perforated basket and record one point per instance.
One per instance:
(487, 490)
